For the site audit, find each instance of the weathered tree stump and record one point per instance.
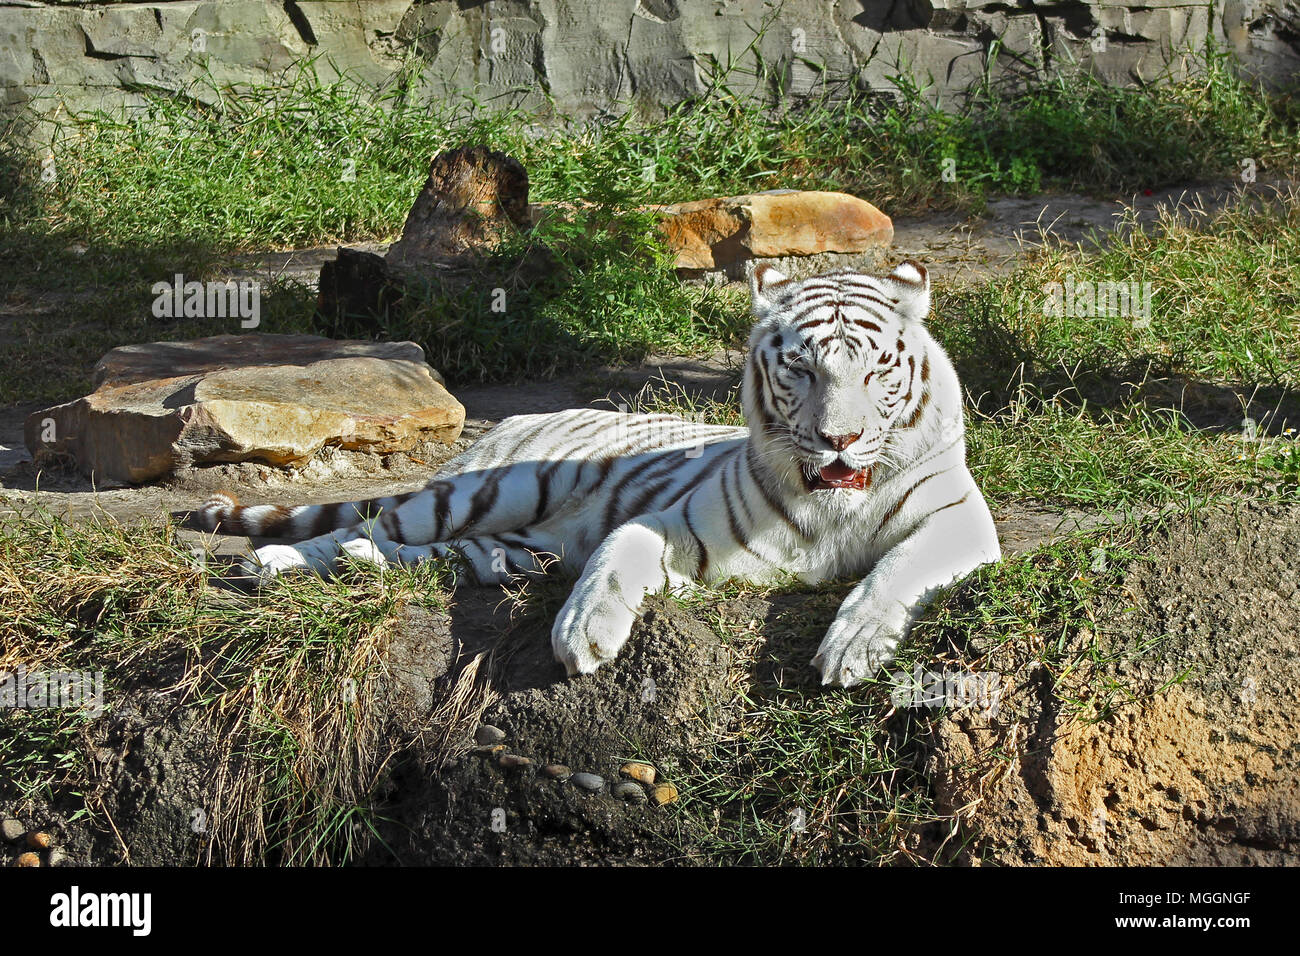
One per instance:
(472, 200)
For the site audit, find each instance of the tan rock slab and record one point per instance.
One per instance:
(716, 233)
(273, 398)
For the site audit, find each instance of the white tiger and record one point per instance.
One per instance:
(853, 464)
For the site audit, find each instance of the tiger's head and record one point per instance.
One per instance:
(840, 372)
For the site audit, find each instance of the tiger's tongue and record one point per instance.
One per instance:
(837, 472)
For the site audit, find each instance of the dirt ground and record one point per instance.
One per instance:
(1199, 767)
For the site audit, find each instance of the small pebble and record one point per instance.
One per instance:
(39, 841)
(588, 781)
(487, 735)
(28, 859)
(557, 771)
(11, 829)
(664, 793)
(490, 749)
(630, 790)
(58, 857)
(640, 771)
(513, 760)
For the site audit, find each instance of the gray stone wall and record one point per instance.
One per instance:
(582, 57)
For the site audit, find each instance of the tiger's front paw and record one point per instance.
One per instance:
(856, 647)
(591, 629)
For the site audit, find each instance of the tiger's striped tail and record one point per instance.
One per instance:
(223, 512)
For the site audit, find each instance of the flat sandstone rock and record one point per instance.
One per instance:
(272, 398)
(720, 233)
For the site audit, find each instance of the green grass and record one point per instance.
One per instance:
(187, 179)
(599, 290)
(1224, 302)
(272, 165)
(1095, 410)
(295, 757)
(41, 756)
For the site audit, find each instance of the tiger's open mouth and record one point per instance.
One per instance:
(838, 475)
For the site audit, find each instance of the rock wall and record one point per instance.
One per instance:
(585, 56)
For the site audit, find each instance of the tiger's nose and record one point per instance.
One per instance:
(840, 442)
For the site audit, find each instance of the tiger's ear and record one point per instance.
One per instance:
(764, 281)
(910, 285)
